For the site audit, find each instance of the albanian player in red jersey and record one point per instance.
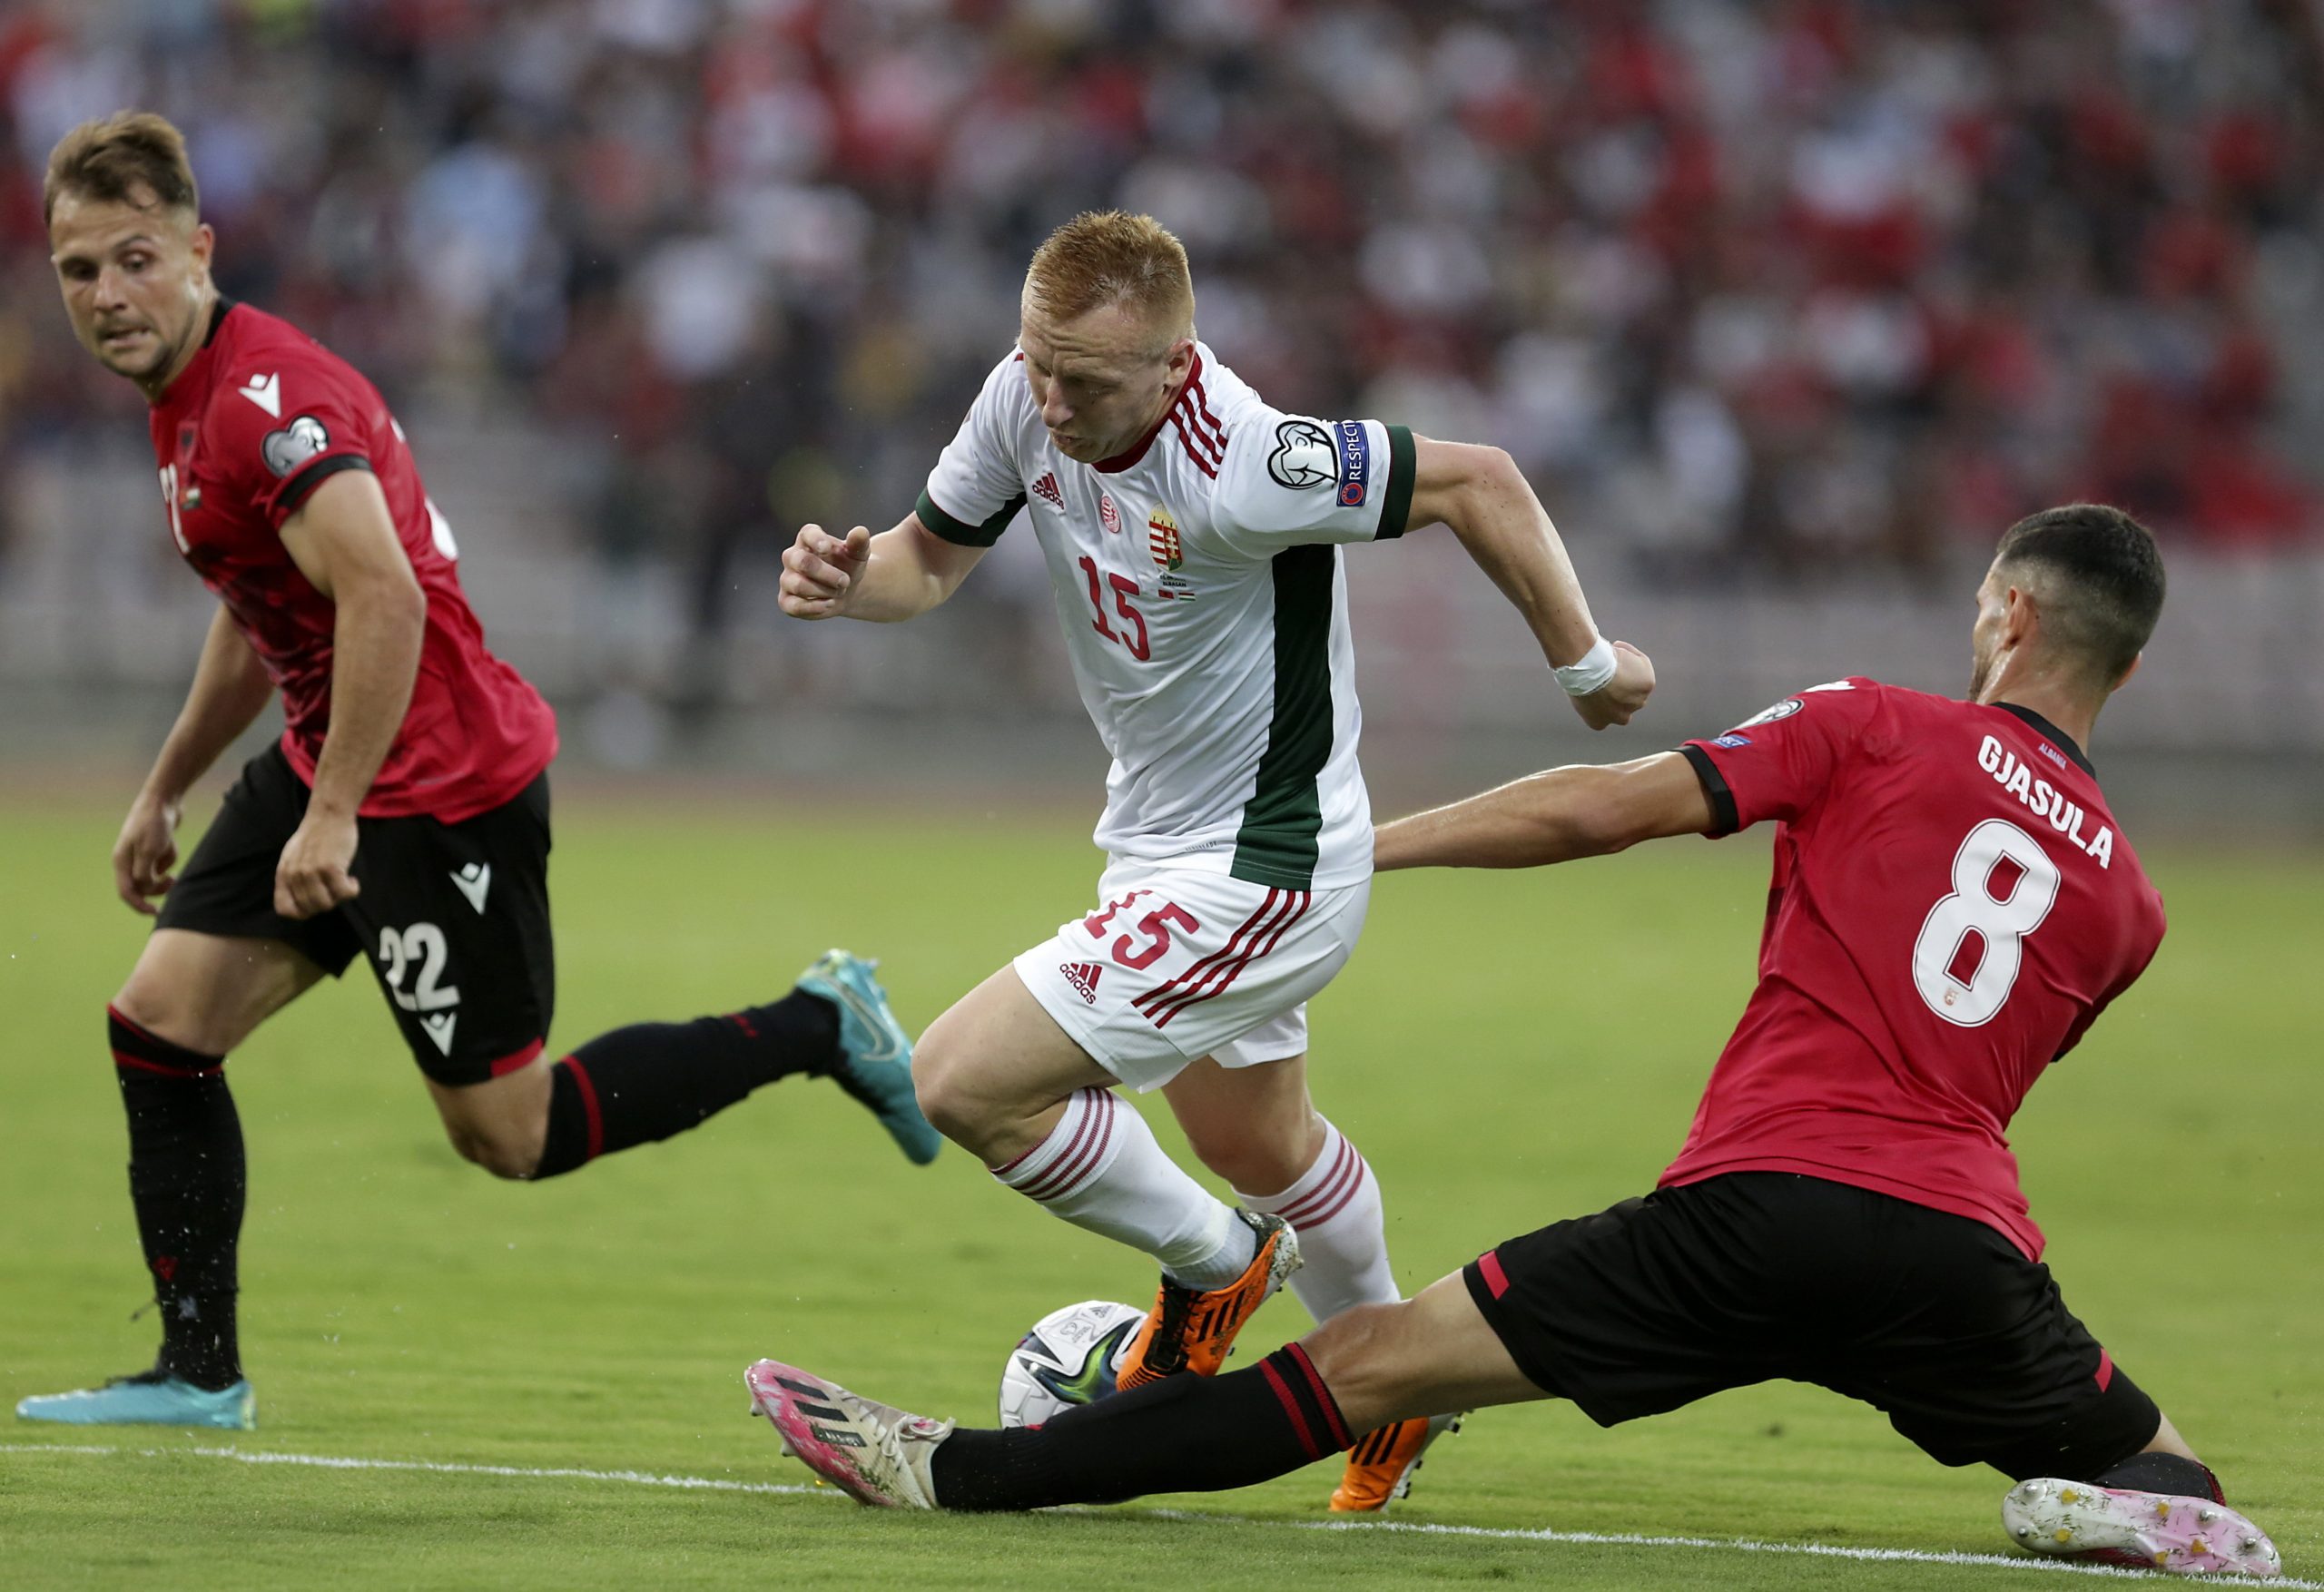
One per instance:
(403, 815)
(1953, 906)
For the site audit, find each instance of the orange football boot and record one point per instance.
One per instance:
(1192, 1329)
(1380, 1467)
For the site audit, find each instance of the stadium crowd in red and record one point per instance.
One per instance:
(1772, 287)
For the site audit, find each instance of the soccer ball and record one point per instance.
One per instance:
(1071, 1357)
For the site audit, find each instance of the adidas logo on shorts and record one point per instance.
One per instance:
(1083, 976)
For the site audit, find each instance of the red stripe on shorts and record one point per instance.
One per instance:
(1161, 994)
(517, 1058)
(1221, 978)
(1259, 952)
(1489, 1268)
(2105, 1367)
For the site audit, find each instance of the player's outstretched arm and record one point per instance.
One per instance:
(229, 687)
(344, 541)
(1485, 498)
(898, 574)
(1584, 810)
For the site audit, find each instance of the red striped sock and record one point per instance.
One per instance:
(1335, 1208)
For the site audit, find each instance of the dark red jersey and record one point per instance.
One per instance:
(1952, 907)
(263, 415)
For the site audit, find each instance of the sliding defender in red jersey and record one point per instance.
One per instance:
(403, 815)
(1953, 906)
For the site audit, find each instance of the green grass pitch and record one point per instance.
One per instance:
(1507, 1049)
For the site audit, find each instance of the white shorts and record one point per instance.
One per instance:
(1175, 965)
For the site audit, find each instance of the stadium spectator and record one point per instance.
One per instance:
(1749, 288)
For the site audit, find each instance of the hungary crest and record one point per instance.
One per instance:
(1162, 537)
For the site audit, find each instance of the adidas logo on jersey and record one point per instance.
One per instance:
(1083, 976)
(1046, 488)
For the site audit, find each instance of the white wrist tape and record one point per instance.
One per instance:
(1589, 672)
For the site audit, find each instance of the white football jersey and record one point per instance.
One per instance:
(1199, 585)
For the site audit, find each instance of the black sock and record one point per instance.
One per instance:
(186, 1180)
(2172, 1473)
(1181, 1434)
(650, 1080)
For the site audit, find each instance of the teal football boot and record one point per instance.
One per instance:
(151, 1398)
(875, 1053)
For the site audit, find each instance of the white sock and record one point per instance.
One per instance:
(1335, 1207)
(1101, 1168)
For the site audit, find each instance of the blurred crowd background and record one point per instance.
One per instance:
(1780, 302)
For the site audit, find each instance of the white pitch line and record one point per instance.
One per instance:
(1416, 1528)
(348, 1462)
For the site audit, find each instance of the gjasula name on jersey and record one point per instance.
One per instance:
(2044, 800)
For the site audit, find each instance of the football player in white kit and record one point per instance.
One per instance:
(1192, 537)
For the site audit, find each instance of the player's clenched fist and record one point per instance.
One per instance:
(819, 571)
(1614, 702)
(146, 850)
(315, 872)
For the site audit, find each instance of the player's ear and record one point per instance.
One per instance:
(2021, 618)
(200, 244)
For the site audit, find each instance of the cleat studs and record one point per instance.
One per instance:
(2063, 1534)
(2068, 1496)
(2198, 1547)
(2162, 1509)
(2206, 1515)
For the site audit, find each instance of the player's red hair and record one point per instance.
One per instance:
(113, 157)
(1106, 257)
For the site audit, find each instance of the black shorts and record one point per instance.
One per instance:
(454, 917)
(1935, 1320)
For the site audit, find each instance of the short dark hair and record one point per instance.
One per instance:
(113, 156)
(2105, 590)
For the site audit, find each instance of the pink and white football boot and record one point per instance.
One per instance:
(2136, 1530)
(875, 1454)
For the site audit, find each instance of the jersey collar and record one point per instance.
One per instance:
(2065, 742)
(184, 380)
(1137, 450)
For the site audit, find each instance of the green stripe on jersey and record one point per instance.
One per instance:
(1397, 508)
(960, 532)
(1279, 840)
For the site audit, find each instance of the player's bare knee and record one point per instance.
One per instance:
(1255, 1158)
(505, 1156)
(152, 1007)
(943, 1081)
(953, 1109)
(1355, 1351)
